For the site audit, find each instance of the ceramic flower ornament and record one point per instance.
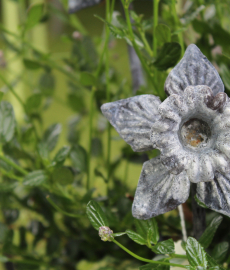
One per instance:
(191, 128)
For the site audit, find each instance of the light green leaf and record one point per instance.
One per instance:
(162, 34)
(88, 79)
(33, 103)
(143, 226)
(63, 176)
(136, 237)
(164, 247)
(96, 216)
(78, 156)
(35, 14)
(62, 154)
(51, 136)
(195, 253)
(220, 251)
(7, 122)
(35, 178)
(206, 238)
(168, 56)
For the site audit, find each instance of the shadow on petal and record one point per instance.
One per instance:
(158, 191)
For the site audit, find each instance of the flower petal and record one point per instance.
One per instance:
(158, 191)
(216, 194)
(133, 119)
(193, 69)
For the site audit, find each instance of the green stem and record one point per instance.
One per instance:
(155, 23)
(90, 135)
(177, 23)
(108, 18)
(146, 260)
(218, 11)
(145, 66)
(10, 175)
(60, 210)
(148, 49)
(14, 165)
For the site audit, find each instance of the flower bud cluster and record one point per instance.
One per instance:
(106, 234)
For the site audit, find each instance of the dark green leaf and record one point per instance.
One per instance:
(206, 238)
(195, 253)
(63, 176)
(143, 226)
(96, 216)
(162, 34)
(88, 79)
(200, 203)
(164, 247)
(212, 262)
(33, 103)
(100, 174)
(78, 156)
(35, 178)
(51, 136)
(3, 232)
(168, 56)
(220, 251)
(7, 122)
(35, 14)
(96, 147)
(62, 154)
(43, 152)
(47, 84)
(31, 64)
(136, 237)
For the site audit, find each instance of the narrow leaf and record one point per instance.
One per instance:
(118, 234)
(195, 253)
(96, 216)
(206, 238)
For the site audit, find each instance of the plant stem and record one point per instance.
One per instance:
(146, 260)
(60, 210)
(177, 23)
(145, 66)
(108, 18)
(14, 165)
(10, 175)
(155, 23)
(148, 49)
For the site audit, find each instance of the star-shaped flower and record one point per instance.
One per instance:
(191, 128)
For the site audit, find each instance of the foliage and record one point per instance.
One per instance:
(59, 177)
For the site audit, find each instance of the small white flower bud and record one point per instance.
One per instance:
(105, 233)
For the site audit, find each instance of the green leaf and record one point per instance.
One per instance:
(51, 136)
(35, 14)
(31, 64)
(63, 176)
(78, 156)
(212, 262)
(7, 122)
(3, 232)
(143, 226)
(200, 203)
(168, 56)
(195, 253)
(206, 238)
(88, 79)
(33, 103)
(136, 237)
(118, 234)
(220, 251)
(96, 216)
(225, 75)
(164, 247)
(35, 178)
(3, 259)
(47, 84)
(61, 155)
(162, 34)
(100, 174)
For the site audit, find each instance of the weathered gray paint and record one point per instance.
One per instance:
(199, 155)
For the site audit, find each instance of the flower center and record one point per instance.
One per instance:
(195, 133)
